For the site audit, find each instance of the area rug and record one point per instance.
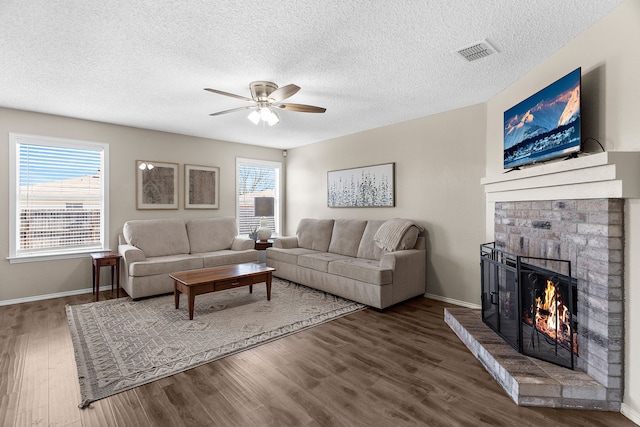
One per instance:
(120, 343)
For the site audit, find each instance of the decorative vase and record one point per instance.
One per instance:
(264, 232)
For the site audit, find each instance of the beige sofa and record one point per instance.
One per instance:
(152, 249)
(352, 259)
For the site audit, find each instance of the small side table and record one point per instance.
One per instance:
(106, 259)
(261, 246)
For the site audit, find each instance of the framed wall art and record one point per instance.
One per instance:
(156, 185)
(367, 186)
(201, 187)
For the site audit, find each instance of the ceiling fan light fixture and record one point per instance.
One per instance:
(265, 114)
(264, 96)
(273, 118)
(254, 117)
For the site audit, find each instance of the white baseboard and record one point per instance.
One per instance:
(51, 296)
(630, 413)
(453, 301)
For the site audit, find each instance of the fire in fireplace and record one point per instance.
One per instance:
(549, 315)
(530, 305)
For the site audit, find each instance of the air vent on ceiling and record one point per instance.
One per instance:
(477, 50)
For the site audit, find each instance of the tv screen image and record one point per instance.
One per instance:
(544, 126)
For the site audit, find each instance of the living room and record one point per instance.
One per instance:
(439, 159)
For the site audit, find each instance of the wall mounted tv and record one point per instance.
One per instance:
(544, 126)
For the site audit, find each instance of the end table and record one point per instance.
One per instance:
(261, 247)
(106, 259)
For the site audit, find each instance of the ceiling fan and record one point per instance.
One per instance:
(264, 97)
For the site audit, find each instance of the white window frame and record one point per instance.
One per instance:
(17, 256)
(278, 189)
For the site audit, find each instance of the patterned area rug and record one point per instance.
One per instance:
(120, 343)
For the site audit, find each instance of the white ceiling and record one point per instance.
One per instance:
(369, 63)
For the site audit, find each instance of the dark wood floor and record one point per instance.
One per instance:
(402, 367)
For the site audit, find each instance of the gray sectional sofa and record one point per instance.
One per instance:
(152, 249)
(378, 263)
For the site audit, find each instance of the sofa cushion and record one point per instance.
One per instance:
(409, 239)
(164, 265)
(368, 248)
(364, 270)
(242, 244)
(315, 234)
(228, 257)
(211, 234)
(346, 236)
(289, 256)
(157, 237)
(319, 261)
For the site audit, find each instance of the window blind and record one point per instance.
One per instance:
(59, 198)
(256, 178)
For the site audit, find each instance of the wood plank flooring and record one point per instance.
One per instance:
(401, 367)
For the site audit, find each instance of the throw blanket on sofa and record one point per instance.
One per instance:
(390, 233)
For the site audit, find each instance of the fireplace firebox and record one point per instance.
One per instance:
(531, 303)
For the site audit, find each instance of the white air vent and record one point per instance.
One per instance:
(477, 50)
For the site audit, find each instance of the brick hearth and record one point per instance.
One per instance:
(528, 381)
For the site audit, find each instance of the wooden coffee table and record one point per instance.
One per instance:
(196, 282)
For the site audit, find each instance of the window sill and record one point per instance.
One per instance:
(53, 257)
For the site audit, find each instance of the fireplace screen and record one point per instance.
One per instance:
(532, 307)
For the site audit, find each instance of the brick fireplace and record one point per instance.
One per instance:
(582, 222)
(590, 234)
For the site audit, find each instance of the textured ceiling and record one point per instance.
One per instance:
(369, 63)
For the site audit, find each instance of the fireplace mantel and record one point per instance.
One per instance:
(611, 174)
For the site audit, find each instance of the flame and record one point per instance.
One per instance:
(553, 317)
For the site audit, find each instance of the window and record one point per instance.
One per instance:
(256, 178)
(58, 197)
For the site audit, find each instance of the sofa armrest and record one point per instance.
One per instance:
(131, 254)
(393, 260)
(409, 272)
(286, 242)
(242, 244)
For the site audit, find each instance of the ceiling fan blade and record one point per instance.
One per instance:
(232, 110)
(302, 108)
(283, 93)
(228, 94)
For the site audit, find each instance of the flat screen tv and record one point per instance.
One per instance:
(544, 126)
